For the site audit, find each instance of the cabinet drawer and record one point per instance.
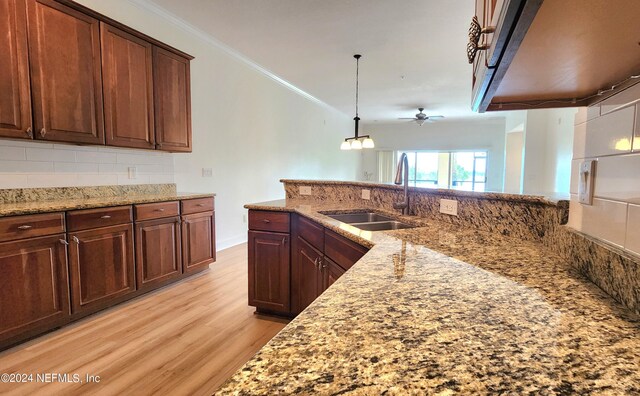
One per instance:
(268, 221)
(21, 227)
(310, 232)
(341, 250)
(197, 205)
(101, 217)
(157, 210)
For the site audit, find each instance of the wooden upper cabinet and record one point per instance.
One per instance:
(64, 50)
(127, 64)
(172, 96)
(15, 100)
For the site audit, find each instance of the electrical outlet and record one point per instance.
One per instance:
(366, 194)
(207, 172)
(449, 206)
(244, 218)
(133, 172)
(305, 190)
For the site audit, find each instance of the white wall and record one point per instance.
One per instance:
(548, 145)
(609, 133)
(249, 128)
(443, 135)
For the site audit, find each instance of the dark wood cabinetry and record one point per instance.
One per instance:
(101, 266)
(64, 50)
(198, 241)
(269, 271)
(171, 77)
(34, 288)
(286, 282)
(127, 66)
(158, 253)
(15, 100)
(70, 74)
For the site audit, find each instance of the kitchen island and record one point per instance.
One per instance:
(442, 309)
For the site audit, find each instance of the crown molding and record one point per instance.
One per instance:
(150, 6)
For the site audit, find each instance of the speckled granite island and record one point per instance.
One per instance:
(445, 309)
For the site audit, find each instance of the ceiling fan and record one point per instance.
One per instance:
(421, 118)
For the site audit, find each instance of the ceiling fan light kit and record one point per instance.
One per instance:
(357, 142)
(421, 117)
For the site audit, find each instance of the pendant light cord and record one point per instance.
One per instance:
(357, 78)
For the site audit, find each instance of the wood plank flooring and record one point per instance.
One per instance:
(185, 339)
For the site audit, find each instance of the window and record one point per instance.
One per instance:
(460, 170)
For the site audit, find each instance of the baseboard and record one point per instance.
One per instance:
(230, 242)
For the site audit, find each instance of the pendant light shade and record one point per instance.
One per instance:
(368, 143)
(357, 142)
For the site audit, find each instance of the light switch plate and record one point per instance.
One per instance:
(585, 182)
(449, 206)
(207, 172)
(305, 190)
(366, 194)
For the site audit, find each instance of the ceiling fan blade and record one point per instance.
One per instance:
(436, 117)
(405, 118)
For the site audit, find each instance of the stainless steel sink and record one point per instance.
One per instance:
(366, 217)
(370, 221)
(382, 226)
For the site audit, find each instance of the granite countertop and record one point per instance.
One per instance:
(59, 205)
(441, 309)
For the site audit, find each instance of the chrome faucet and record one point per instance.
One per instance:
(403, 163)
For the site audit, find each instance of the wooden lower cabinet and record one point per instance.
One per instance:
(306, 275)
(332, 272)
(101, 266)
(34, 287)
(269, 271)
(198, 241)
(158, 253)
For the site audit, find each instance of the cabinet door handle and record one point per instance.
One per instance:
(43, 132)
(322, 263)
(284, 240)
(75, 239)
(315, 262)
(62, 241)
(30, 132)
(105, 217)
(24, 227)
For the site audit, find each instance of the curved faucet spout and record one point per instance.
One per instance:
(401, 177)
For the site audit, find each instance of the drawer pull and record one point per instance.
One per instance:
(24, 227)
(62, 241)
(75, 239)
(200, 205)
(105, 217)
(160, 210)
(267, 221)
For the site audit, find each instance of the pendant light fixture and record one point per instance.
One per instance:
(357, 142)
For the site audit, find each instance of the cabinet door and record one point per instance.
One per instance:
(306, 284)
(128, 89)
(34, 287)
(331, 272)
(101, 266)
(269, 271)
(15, 100)
(158, 254)
(198, 241)
(64, 50)
(172, 95)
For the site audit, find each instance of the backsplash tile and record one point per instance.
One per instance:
(617, 178)
(633, 229)
(25, 164)
(610, 134)
(604, 219)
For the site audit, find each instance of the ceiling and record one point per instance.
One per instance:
(413, 51)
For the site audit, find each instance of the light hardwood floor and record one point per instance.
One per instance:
(185, 339)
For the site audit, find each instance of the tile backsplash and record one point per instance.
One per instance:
(609, 132)
(25, 164)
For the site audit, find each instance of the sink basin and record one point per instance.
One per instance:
(366, 217)
(382, 225)
(370, 221)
